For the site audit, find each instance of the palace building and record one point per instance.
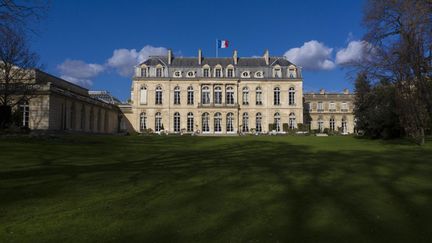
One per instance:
(216, 95)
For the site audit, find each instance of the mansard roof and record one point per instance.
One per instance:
(213, 61)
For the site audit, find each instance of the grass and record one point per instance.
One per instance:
(214, 189)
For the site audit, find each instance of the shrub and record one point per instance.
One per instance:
(285, 127)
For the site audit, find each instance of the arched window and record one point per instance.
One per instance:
(143, 121)
(230, 95)
(230, 71)
(344, 126)
(277, 122)
(258, 122)
(218, 71)
(177, 95)
(276, 96)
(83, 117)
(176, 122)
(143, 95)
(158, 95)
(230, 122)
(245, 122)
(277, 72)
(205, 122)
(190, 95)
(218, 95)
(332, 124)
(292, 121)
(158, 122)
(25, 112)
(291, 96)
(190, 122)
(205, 95)
(206, 71)
(245, 96)
(72, 117)
(258, 93)
(218, 122)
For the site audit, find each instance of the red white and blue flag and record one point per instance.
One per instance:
(222, 43)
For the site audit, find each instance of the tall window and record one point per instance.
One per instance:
(258, 122)
(320, 125)
(158, 122)
(332, 106)
(158, 96)
(176, 122)
(218, 72)
(320, 107)
(190, 95)
(292, 121)
(91, 120)
(230, 122)
(277, 122)
(230, 95)
(218, 95)
(245, 122)
(83, 117)
(245, 96)
(206, 72)
(190, 122)
(344, 126)
(276, 96)
(205, 122)
(258, 92)
(25, 111)
(332, 124)
(143, 95)
(177, 95)
(218, 122)
(230, 72)
(205, 96)
(143, 121)
(291, 96)
(99, 120)
(158, 72)
(72, 117)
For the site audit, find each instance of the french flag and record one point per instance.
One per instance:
(223, 43)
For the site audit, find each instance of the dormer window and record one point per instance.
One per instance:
(292, 73)
(206, 71)
(143, 72)
(218, 73)
(177, 74)
(245, 74)
(230, 71)
(158, 72)
(191, 74)
(277, 71)
(259, 74)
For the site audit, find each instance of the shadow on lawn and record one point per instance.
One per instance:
(246, 190)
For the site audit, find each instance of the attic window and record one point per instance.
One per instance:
(177, 74)
(259, 74)
(245, 74)
(190, 74)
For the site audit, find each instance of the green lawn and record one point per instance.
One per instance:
(214, 189)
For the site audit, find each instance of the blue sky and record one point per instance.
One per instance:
(94, 42)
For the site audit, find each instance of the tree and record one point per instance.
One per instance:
(16, 65)
(17, 14)
(400, 37)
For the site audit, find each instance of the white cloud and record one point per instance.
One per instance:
(313, 55)
(79, 72)
(123, 60)
(355, 51)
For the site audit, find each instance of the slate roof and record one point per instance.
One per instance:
(213, 61)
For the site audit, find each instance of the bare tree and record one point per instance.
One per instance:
(400, 34)
(17, 63)
(18, 14)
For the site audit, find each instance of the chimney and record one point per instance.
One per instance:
(266, 57)
(346, 91)
(170, 56)
(322, 91)
(235, 57)
(199, 56)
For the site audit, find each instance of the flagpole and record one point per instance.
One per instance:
(216, 48)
